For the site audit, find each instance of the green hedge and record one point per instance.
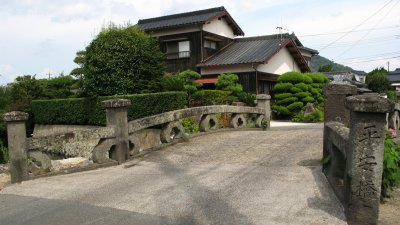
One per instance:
(88, 111)
(209, 97)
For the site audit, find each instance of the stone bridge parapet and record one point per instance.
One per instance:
(353, 150)
(120, 139)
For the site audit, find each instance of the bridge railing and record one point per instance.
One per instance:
(120, 138)
(354, 134)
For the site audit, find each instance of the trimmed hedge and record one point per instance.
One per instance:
(294, 90)
(88, 111)
(209, 97)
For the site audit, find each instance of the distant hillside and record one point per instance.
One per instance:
(318, 61)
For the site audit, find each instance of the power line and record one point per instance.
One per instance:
(354, 31)
(344, 35)
(368, 32)
(373, 56)
(372, 60)
(369, 40)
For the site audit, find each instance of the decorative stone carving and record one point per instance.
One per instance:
(171, 131)
(259, 120)
(208, 122)
(238, 121)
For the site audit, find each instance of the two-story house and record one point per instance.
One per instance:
(207, 41)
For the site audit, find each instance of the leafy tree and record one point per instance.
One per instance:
(229, 82)
(378, 81)
(120, 60)
(183, 81)
(326, 68)
(58, 87)
(80, 59)
(23, 91)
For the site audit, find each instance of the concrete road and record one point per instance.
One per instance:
(235, 177)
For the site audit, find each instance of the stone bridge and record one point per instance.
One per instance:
(231, 177)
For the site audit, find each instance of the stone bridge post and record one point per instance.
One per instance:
(263, 102)
(117, 117)
(335, 96)
(365, 150)
(17, 145)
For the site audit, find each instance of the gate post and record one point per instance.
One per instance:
(263, 102)
(117, 117)
(365, 151)
(17, 145)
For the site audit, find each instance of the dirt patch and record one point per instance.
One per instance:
(4, 180)
(389, 211)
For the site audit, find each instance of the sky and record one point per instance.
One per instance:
(41, 37)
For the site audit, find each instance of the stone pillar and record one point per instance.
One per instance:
(364, 163)
(335, 95)
(17, 145)
(117, 117)
(263, 101)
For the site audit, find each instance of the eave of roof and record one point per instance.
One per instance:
(189, 18)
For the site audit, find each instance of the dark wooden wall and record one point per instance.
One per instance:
(197, 51)
(182, 64)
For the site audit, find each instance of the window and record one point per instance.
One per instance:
(178, 49)
(210, 44)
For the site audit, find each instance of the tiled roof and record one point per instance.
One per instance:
(188, 18)
(255, 50)
(394, 76)
(247, 50)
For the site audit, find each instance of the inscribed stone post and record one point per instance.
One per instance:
(365, 157)
(17, 145)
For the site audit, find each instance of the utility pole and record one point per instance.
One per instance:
(388, 66)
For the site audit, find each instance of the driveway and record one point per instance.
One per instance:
(233, 177)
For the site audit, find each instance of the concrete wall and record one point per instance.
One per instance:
(280, 63)
(219, 27)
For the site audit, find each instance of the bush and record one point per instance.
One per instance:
(229, 82)
(283, 95)
(317, 116)
(318, 78)
(308, 99)
(294, 78)
(295, 106)
(302, 94)
(247, 98)
(392, 95)
(210, 97)
(286, 101)
(294, 90)
(88, 111)
(391, 166)
(282, 87)
(302, 86)
(280, 110)
(191, 125)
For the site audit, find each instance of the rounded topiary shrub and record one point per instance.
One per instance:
(294, 90)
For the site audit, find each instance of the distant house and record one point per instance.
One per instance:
(394, 77)
(207, 41)
(346, 77)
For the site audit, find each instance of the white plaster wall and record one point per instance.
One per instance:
(180, 30)
(280, 63)
(226, 69)
(219, 27)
